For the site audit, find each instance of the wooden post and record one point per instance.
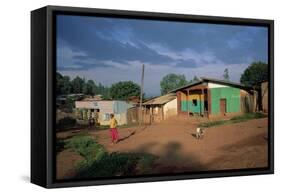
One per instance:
(187, 98)
(202, 106)
(150, 114)
(209, 102)
(140, 111)
(178, 102)
(162, 112)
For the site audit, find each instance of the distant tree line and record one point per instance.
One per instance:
(173, 81)
(252, 76)
(79, 85)
(118, 91)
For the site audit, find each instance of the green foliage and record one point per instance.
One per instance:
(63, 84)
(255, 74)
(195, 79)
(145, 163)
(66, 122)
(248, 116)
(85, 146)
(110, 164)
(104, 91)
(59, 145)
(89, 87)
(99, 163)
(77, 85)
(226, 74)
(236, 119)
(172, 81)
(124, 90)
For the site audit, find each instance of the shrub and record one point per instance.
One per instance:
(66, 122)
(99, 163)
(113, 164)
(86, 147)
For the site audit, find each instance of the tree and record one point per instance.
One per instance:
(123, 90)
(226, 74)
(172, 81)
(195, 79)
(59, 83)
(255, 74)
(66, 87)
(63, 85)
(77, 85)
(89, 87)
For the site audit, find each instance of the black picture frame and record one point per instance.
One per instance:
(43, 52)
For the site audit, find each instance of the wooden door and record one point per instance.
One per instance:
(223, 106)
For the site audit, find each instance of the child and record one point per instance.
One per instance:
(113, 129)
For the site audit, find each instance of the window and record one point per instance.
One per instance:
(106, 117)
(194, 102)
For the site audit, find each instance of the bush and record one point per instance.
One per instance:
(99, 163)
(113, 164)
(66, 122)
(86, 147)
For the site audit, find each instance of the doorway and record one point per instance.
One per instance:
(223, 106)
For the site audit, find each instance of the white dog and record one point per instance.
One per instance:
(199, 133)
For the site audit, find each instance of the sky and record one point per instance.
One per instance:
(108, 50)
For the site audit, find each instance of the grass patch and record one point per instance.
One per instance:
(235, 119)
(60, 145)
(98, 162)
(248, 116)
(85, 146)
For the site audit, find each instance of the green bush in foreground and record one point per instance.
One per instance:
(99, 163)
(85, 146)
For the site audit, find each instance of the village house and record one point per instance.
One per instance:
(103, 109)
(212, 97)
(160, 108)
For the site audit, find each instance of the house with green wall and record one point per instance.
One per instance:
(212, 97)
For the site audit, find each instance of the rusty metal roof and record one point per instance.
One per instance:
(161, 99)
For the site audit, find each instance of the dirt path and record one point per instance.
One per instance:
(66, 162)
(240, 145)
(233, 146)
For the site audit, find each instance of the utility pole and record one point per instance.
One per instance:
(141, 94)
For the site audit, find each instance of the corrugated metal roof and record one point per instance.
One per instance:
(161, 99)
(205, 79)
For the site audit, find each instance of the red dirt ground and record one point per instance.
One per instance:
(232, 146)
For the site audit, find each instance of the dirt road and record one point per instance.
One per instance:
(240, 145)
(232, 146)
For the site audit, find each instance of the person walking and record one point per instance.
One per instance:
(113, 129)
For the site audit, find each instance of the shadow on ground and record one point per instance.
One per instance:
(171, 159)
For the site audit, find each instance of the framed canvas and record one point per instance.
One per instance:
(125, 96)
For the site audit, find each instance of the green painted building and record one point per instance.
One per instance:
(212, 97)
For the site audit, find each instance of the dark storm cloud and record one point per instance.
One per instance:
(85, 34)
(189, 63)
(88, 44)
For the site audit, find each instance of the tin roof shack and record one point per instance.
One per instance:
(103, 109)
(160, 108)
(264, 96)
(213, 97)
